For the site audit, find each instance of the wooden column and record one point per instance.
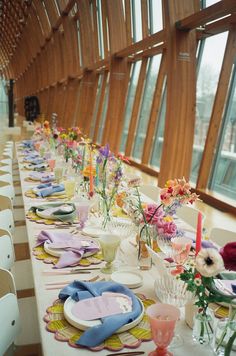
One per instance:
(181, 93)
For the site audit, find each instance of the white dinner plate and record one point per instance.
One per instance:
(93, 231)
(127, 277)
(57, 252)
(86, 324)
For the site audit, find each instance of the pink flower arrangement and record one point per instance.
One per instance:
(153, 214)
(166, 228)
(177, 189)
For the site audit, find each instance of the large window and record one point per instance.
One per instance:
(104, 112)
(130, 101)
(97, 100)
(207, 81)
(158, 138)
(3, 99)
(152, 73)
(155, 15)
(224, 171)
(136, 20)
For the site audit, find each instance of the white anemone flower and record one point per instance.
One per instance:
(209, 262)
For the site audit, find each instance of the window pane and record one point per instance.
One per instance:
(224, 175)
(130, 101)
(159, 132)
(136, 20)
(98, 96)
(155, 15)
(207, 82)
(3, 99)
(150, 84)
(104, 111)
(100, 30)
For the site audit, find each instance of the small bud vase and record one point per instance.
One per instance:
(203, 328)
(145, 236)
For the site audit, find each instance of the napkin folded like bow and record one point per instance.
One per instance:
(27, 144)
(43, 177)
(38, 167)
(75, 247)
(95, 335)
(44, 190)
(63, 212)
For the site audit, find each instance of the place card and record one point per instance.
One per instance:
(105, 305)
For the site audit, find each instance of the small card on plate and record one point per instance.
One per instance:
(105, 305)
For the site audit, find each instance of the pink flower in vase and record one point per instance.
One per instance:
(153, 213)
(166, 228)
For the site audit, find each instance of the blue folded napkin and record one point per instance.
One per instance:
(49, 189)
(27, 143)
(97, 334)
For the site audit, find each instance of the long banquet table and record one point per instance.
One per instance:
(45, 298)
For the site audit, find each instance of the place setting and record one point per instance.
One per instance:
(48, 190)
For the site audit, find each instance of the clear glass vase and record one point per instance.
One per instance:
(146, 235)
(203, 328)
(225, 334)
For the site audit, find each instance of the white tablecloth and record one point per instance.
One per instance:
(45, 298)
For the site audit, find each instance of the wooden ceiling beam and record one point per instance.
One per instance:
(210, 13)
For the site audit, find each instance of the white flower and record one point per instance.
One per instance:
(209, 262)
(198, 281)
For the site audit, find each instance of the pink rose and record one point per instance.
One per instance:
(152, 215)
(166, 228)
(228, 253)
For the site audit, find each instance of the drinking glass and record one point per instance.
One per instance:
(70, 185)
(51, 163)
(180, 251)
(58, 173)
(162, 318)
(82, 208)
(109, 244)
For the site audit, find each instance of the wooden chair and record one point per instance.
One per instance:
(189, 215)
(222, 236)
(151, 191)
(9, 311)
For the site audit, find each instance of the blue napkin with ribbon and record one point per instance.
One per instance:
(97, 334)
(44, 190)
(27, 144)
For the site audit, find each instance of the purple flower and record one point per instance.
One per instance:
(105, 151)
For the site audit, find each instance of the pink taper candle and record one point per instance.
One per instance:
(199, 234)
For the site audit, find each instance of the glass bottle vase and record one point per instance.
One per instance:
(225, 334)
(145, 236)
(203, 328)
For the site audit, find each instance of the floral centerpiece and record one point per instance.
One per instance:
(109, 173)
(200, 276)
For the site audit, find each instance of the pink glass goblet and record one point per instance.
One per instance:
(162, 318)
(82, 209)
(180, 251)
(51, 163)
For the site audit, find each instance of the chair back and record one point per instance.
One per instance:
(7, 254)
(9, 311)
(7, 189)
(7, 220)
(189, 215)
(151, 191)
(221, 236)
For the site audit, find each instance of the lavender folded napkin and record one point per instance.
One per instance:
(35, 161)
(95, 335)
(75, 247)
(205, 243)
(43, 177)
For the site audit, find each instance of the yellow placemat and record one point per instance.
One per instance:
(30, 194)
(57, 324)
(40, 254)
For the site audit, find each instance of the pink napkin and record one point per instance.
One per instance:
(75, 247)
